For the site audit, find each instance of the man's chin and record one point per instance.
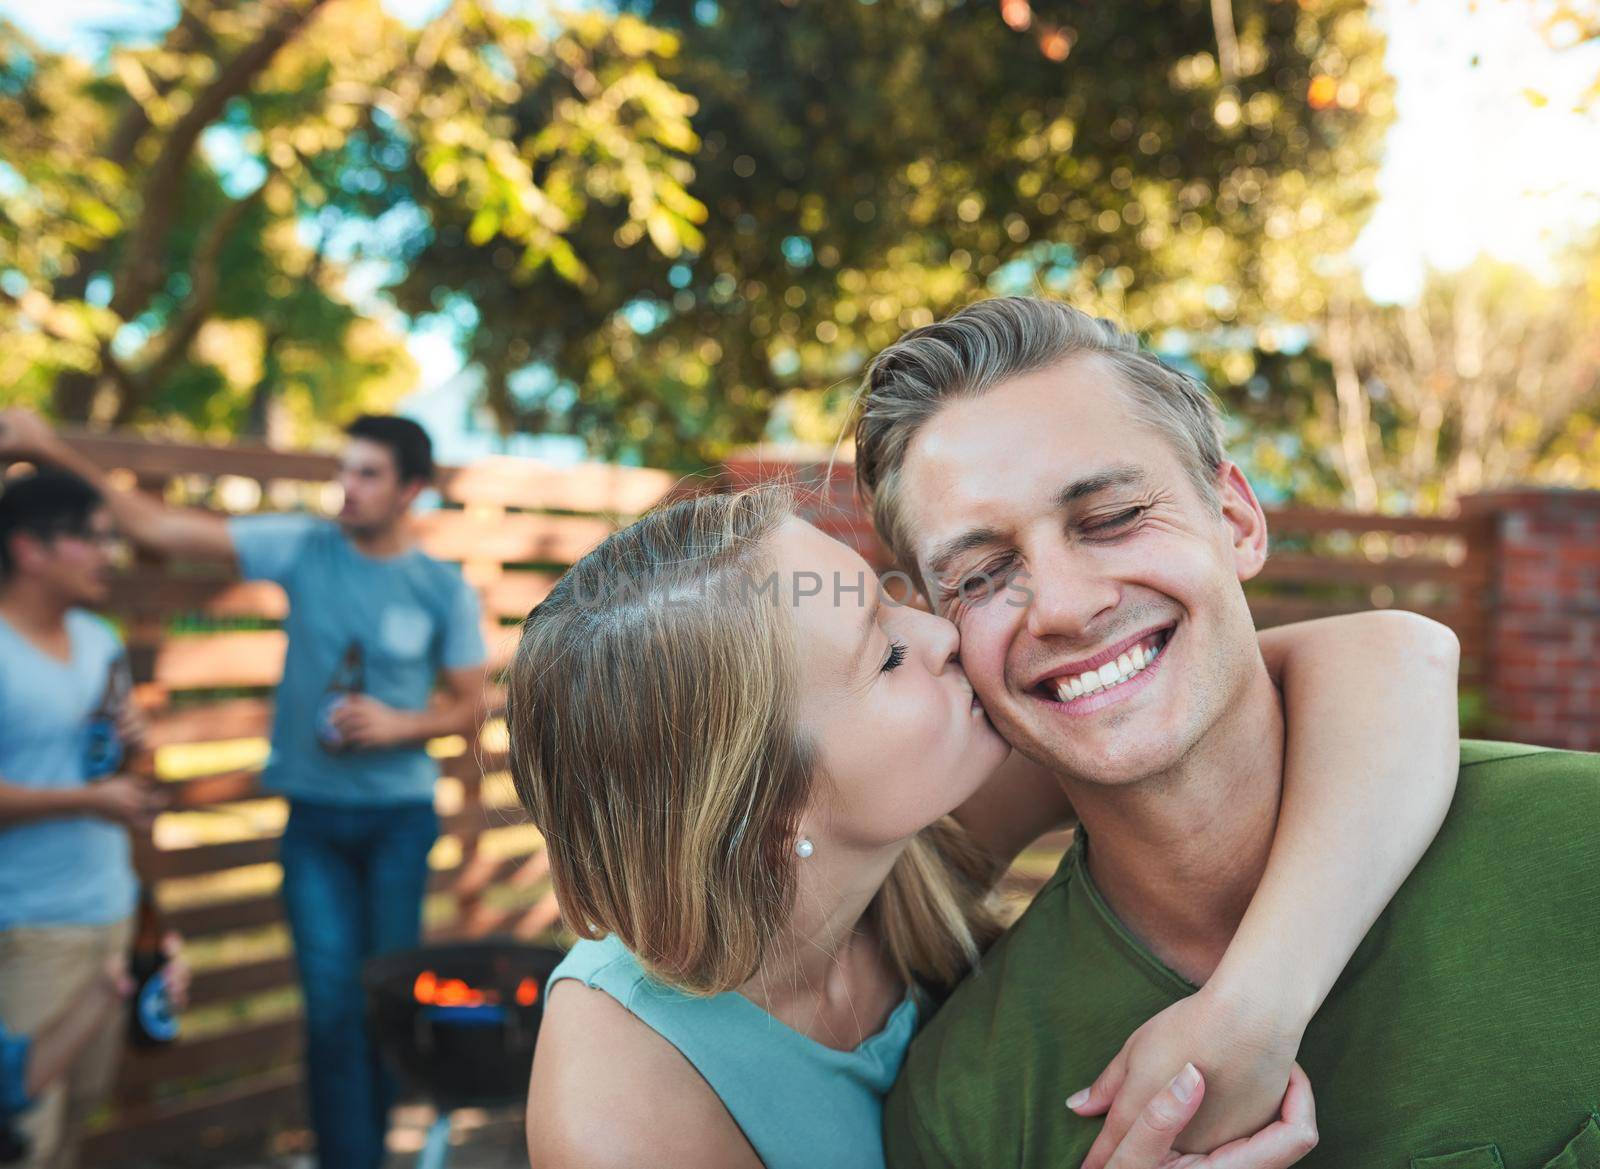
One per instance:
(90, 596)
(1115, 768)
(1107, 757)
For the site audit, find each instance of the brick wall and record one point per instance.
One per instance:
(1544, 616)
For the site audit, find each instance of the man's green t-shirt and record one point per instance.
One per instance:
(1464, 1034)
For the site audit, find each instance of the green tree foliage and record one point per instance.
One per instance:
(869, 166)
(676, 226)
(138, 284)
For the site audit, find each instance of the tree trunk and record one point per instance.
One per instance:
(1355, 419)
(258, 414)
(141, 270)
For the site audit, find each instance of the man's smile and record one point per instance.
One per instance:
(1111, 676)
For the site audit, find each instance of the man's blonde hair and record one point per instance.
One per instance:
(974, 350)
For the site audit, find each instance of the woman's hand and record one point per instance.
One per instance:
(1149, 1140)
(1247, 1050)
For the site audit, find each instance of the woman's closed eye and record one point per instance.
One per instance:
(897, 656)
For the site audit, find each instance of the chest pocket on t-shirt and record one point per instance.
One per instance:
(404, 631)
(1481, 1157)
(1582, 1152)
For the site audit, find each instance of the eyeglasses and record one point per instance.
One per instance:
(104, 539)
(114, 544)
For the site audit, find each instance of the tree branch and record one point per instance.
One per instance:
(1227, 40)
(131, 127)
(204, 278)
(1354, 410)
(256, 414)
(141, 271)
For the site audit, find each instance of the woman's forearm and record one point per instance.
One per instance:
(1370, 765)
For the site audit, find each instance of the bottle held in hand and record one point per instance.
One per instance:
(104, 752)
(152, 1021)
(348, 679)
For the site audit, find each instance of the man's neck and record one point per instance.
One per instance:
(381, 543)
(33, 609)
(1178, 855)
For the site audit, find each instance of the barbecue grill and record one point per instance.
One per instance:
(457, 1022)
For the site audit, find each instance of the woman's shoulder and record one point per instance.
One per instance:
(607, 1090)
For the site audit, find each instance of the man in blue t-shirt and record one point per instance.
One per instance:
(373, 623)
(67, 887)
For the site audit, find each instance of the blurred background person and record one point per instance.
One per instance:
(373, 622)
(67, 885)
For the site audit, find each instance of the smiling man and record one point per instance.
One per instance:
(1064, 497)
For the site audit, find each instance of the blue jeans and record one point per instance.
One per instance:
(353, 883)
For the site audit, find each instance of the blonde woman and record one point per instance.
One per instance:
(753, 794)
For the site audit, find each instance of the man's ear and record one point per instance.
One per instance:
(410, 491)
(28, 553)
(1246, 522)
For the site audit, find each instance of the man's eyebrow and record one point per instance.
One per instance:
(957, 546)
(1122, 475)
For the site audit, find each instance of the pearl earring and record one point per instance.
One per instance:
(803, 848)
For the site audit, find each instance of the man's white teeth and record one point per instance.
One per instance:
(1109, 675)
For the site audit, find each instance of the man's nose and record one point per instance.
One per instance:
(1068, 596)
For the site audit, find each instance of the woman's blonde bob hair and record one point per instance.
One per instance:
(652, 713)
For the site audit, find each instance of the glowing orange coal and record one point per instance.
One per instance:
(454, 992)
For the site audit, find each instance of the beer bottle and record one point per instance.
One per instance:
(104, 751)
(348, 679)
(153, 1022)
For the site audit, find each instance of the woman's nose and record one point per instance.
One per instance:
(943, 641)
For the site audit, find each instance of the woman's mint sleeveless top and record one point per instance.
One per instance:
(799, 1103)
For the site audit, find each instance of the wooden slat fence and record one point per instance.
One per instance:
(1325, 562)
